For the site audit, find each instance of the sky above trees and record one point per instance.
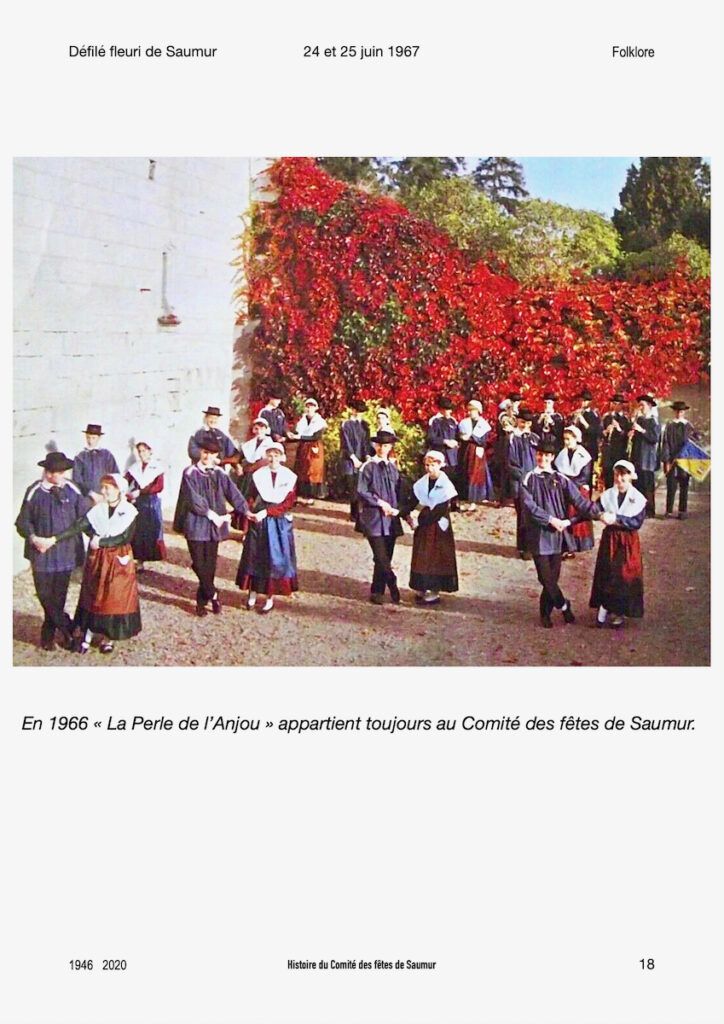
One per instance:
(586, 183)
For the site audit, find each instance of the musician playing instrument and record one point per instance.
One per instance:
(549, 424)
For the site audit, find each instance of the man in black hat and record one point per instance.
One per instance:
(91, 463)
(545, 497)
(354, 444)
(614, 437)
(49, 507)
(274, 415)
(521, 460)
(644, 435)
(202, 516)
(589, 423)
(379, 494)
(442, 436)
(549, 424)
(228, 455)
(675, 435)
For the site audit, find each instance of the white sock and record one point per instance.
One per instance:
(602, 613)
(564, 606)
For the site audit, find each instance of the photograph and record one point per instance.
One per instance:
(361, 411)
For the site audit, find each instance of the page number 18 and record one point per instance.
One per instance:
(647, 965)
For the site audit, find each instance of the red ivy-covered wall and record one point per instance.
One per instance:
(356, 298)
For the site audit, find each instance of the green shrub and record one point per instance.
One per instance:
(408, 450)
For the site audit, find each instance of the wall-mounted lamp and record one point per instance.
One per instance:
(168, 317)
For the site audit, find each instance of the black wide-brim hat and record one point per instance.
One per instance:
(547, 446)
(586, 396)
(679, 406)
(515, 396)
(618, 397)
(208, 443)
(93, 428)
(213, 410)
(550, 396)
(384, 437)
(359, 406)
(56, 462)
(646, 398)
(444, 403)
(525, 414)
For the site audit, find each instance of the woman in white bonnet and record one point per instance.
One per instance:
(434, 564)
(618, 579)
(108, 604)
(310, 454)
(145, 485)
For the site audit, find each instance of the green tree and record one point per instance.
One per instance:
(540, 240)
(474, 222)
(552, 241)
(661, 196)
(502, 180)
(660, 260)
(414, 172)
(357, 170)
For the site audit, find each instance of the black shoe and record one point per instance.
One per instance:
(216, 605)
(66, 639)
(395, 593)
(47, 643)
(201, 609)
(683, 515)
(568, 615)
(377, 598)
(546, 622)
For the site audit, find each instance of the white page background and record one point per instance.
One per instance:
(537, 870)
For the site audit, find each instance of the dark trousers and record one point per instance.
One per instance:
(548, 568)
(383, 548)
(52, 591)
(677, 478)
(519, 522)
(350, 491)
(203, 561)
(647, 485)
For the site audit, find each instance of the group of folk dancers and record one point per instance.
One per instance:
(543, 465)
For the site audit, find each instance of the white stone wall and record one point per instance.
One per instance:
(88, 244)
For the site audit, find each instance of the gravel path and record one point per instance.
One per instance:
(493, 620)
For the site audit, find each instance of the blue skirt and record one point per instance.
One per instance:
(268, 562)
(148, 544)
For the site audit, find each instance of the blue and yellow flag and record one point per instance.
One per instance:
(694, 460)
